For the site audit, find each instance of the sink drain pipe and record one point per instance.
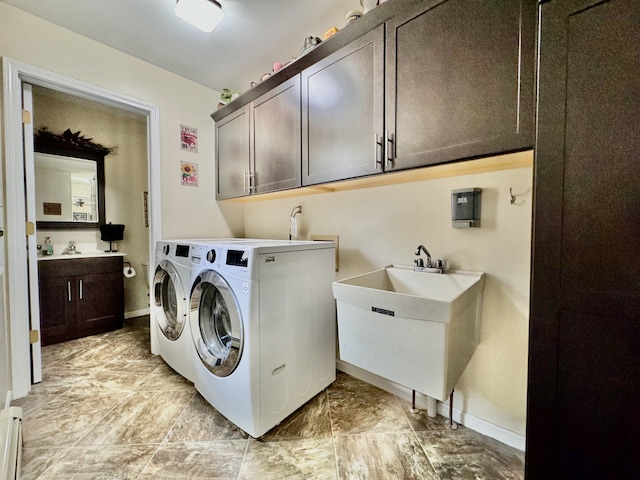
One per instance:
(432, 405)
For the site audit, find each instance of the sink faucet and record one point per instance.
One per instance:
(418, 261)
(71, 249)
(437, 267)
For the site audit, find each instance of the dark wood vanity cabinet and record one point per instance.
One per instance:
(459, 81)
(80, 297)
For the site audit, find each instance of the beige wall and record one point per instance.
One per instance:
(186, 211)
(126, 177)
(383, 225)
(29, 39)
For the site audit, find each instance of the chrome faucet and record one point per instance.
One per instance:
(437, 267)
(418, 261)
(71, 249)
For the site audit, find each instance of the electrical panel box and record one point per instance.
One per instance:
(465, 207)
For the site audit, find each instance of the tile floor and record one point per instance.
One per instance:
(108, 409)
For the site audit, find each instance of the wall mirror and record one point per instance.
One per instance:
(69, 185)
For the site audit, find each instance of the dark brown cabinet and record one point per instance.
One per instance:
(342, 112)
(584, 359)
(459, 81)
(232, 155)
(80, 297)
(429, 82)
(259, 146)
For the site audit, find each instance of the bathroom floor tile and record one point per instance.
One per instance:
(196, 461)
(384, 456)
(358, 407)
(109, 462)
(200, 422)
(142, 417)
(291, 459)
(108, 409)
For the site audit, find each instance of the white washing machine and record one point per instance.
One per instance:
(170, 290)
(262, 319)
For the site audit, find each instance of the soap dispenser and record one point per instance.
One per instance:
(48, 246)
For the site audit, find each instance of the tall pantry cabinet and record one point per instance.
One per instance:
(584, 353)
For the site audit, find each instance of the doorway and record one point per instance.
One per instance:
(14, 75)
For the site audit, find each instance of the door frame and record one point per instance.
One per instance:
(13, 74)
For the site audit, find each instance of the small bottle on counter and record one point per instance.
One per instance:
(48, 246)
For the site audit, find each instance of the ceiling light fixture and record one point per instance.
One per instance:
(203, 14)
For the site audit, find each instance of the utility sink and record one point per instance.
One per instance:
(417, 329)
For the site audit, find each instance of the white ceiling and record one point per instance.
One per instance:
(252, 36)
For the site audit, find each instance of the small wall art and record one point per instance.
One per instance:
(189, 174)
(188, 138)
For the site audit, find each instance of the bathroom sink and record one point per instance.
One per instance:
(415, 328)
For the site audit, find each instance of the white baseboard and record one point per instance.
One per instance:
(136, 313)
(474, 423)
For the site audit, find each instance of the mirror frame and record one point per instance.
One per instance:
(86, 154)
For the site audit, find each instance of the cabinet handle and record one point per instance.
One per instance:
(251, 177)
(81, 284)
(377, 148)
(69, 290)
(391, 154)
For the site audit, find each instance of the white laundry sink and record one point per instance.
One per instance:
(417, 329)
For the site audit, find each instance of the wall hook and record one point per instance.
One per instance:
(512, 200)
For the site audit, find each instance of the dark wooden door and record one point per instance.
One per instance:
(459, 81)
(584, 364)
(343, 112)
(277, 150)
(232, 155)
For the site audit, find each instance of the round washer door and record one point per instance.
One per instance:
(216, 324)
(170, 300)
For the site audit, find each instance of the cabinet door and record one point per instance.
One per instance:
(342, 104)
(232, 155)
(276, 138)
(99, 303)
(57, 309)
(459, 81)
(584, 360)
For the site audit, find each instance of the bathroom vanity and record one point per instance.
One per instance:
(80, 295)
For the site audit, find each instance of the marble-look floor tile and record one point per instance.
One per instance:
(200, 422)
(476, 466)
(142, 417)
(110, 462)
(164, 378)
(33, 402)
(219, 460)
(382, 456)
(358, 407)
(36, 460)
(67, 418)
(291, 459)
(97, 354)
(310, 420)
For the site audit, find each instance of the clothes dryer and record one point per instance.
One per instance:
(262, 319)
(170, 305)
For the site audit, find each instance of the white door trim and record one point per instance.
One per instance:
(14, 73)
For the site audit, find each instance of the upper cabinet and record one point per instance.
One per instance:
(258, 147)
(342, 112)
(459, 81)
(411, 84)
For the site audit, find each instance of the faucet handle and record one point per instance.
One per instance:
(419, 262)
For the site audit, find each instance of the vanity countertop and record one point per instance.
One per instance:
(60, 256)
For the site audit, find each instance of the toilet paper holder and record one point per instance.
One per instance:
(128, 270)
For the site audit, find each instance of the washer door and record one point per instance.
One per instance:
(216, 324)
(170, 300)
